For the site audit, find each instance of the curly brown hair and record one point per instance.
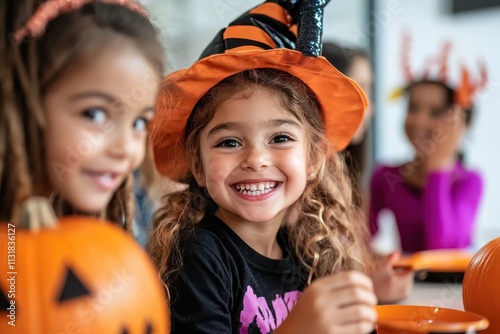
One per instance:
(28, 68)
(326, 230)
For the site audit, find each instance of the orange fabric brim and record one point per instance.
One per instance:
(341, 100)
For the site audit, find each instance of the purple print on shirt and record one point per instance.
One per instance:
(256, 309)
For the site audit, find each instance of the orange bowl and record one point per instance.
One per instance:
(409, 319)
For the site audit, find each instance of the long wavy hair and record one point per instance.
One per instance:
(326, 230)
(30, 67)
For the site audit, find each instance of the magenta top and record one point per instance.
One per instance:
(440, 216)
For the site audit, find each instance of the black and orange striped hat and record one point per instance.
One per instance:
(264, 37)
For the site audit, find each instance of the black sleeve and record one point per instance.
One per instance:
(200, 293)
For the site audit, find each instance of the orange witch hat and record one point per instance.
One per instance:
(282, 35)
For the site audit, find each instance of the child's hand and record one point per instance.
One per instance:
(391, 285)
(446, 140)
(337, 304)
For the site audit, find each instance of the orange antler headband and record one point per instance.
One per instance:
(49, 10)
(464, 92)
(468, 89)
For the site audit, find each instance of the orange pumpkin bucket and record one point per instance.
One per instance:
(76, 275)
(409, 319)
(481, 285)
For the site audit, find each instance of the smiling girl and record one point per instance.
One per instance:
(79, 88)
(266, 237)
(434, 197)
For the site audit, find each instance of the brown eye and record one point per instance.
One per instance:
(281, 138)
(228, 143)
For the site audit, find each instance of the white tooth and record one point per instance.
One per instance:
(253, 193)
(257, 192)
(261, 186)
(272, 184)
(237, 187)
(253, 187)
(247, 186)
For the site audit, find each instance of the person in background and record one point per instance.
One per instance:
(390, 285)
(356, 64)
(435, 198)
(149, 187)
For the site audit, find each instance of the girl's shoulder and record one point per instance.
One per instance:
(204, 235)
(205, 248)
(211, 238)
(381, 169)
(462, 170)
(383, 173)
(462, 174)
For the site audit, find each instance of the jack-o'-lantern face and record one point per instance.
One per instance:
(83, 276)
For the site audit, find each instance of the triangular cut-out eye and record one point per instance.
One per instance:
(4, 303)
(149, 328)
(72, 287)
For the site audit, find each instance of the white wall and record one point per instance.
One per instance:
(474, 35)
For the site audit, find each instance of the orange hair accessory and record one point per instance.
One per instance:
(49, 10)
(466, 89)
(441, 61)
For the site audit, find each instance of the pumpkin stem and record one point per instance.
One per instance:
(37, 212)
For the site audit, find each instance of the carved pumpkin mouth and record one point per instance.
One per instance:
(148, 330)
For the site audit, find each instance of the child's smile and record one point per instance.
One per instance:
(105, 180)
(254, 152)
(255, 191)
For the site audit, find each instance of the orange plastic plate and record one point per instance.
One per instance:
(439, 260)
(425, 319)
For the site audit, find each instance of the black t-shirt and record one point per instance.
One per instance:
(224, 286)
